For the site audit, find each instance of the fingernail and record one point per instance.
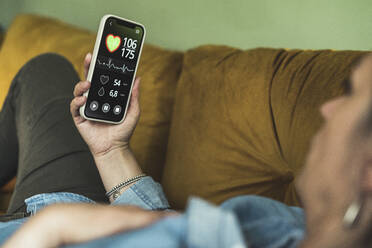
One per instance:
(88, 56)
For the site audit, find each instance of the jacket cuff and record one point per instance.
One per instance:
(145, 193)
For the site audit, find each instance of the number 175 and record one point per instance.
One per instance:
(128, 53)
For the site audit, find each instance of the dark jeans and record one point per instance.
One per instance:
(38, 139)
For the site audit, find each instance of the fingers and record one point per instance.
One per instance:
(79, 99)
(81, 87)
(87, 60)
(76, 103)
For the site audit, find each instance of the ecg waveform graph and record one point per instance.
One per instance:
(113, 65)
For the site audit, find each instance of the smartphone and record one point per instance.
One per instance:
(113, 69)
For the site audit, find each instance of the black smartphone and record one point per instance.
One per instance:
(113, 69)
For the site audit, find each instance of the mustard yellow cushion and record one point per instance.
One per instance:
(31, 35)
(242, 120)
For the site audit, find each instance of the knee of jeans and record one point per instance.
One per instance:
(46, 59)
(47, 63)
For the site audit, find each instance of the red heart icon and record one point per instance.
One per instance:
(112, 43)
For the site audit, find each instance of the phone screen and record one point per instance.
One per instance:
(114, 70)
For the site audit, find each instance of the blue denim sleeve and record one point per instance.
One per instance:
(8, 228)
(268, 223)
(203, 225)
(209, 226)
(146, 193)
(167, 233)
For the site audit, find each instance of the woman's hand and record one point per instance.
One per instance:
(102, 137)
(62, 224)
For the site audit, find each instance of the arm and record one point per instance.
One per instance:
(75, 223)
(109, 143)
(146, 193)
(116, 166)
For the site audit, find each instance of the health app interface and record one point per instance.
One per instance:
(114, 70)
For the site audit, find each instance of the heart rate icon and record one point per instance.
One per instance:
(112, 42)
(104, 79)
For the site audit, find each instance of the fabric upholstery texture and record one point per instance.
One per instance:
(159, 69)
(243, 120)
(223, 121)
(29, 35)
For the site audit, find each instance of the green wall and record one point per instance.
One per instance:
(176, 24)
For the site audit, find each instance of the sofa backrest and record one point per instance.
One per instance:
(243, 120)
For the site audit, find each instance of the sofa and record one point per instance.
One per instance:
(216, 121)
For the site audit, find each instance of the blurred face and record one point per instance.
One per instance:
(333, 174)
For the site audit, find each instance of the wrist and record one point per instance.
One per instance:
(112, 149)
(119, 159)
(117, 166)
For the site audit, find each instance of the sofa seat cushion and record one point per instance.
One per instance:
(243, 120)
(31, 35)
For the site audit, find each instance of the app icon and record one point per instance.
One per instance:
(101, 91)
(104, 79)
(93, 105)
(112, 42)
(117, 109)
(106, 108)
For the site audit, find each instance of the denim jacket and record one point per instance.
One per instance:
(245, 221)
